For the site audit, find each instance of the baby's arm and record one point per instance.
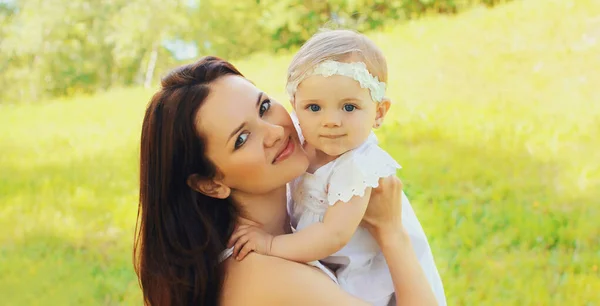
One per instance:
(320, 240)
(314, 242)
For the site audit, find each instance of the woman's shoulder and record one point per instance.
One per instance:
(257, 270)
(268, 280)
(253, 262)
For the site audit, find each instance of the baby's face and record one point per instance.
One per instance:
(336, 115)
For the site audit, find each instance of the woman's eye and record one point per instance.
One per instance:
(314, 108)
(241, 140)
(264, 107)
(349, 107)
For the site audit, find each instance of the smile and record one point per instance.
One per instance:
(332, 136)
(285, 151)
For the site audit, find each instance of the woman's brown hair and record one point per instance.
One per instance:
(180, 232)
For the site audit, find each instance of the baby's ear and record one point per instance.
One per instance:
(382, 108)
(211, 187)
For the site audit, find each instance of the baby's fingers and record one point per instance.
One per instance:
(239, 244)
(236, 235)
(247, 248)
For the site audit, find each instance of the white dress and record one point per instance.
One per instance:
(360, 267)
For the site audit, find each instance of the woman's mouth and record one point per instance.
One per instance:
(285, 151)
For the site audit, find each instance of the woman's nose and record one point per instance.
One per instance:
(273, 134)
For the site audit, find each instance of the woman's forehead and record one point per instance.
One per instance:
(231, 87)
(230, 102)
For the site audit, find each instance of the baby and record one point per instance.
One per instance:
(337, 86)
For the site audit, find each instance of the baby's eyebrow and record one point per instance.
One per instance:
(310, 101)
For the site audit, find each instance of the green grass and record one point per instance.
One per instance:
(496, 123)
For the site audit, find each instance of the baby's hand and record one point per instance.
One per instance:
(248, 238)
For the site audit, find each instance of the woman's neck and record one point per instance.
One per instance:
(268, 210)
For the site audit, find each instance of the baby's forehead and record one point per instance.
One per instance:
(333, 88)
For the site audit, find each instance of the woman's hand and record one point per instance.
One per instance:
(384, 213)
(384, 220)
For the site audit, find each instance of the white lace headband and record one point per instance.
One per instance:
(356, 70)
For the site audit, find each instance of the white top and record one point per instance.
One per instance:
(360, 266)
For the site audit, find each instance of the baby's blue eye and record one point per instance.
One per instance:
(314, 108)
(349, 107)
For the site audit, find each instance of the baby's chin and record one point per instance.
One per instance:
(333, 151)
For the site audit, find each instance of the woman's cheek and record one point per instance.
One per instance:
(252, 164)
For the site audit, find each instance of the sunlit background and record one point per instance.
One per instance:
(496, 122)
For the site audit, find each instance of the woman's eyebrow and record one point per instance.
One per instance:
(260, 94)
(239, 128)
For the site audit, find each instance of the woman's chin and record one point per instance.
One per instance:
(298, 165)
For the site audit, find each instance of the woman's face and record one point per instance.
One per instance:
(250, 138)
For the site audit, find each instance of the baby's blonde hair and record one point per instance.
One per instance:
(337, 45)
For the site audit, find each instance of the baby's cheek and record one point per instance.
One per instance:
(308, 131)
(361, 128)
(356, 124)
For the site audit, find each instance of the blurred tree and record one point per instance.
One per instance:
(7, 13)
(138, 30)
(61, 47)
(229, 29)
(56, 48)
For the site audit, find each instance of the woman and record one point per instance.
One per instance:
(217, 153)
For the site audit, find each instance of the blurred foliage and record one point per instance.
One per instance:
(63, 47)
(495, 121)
